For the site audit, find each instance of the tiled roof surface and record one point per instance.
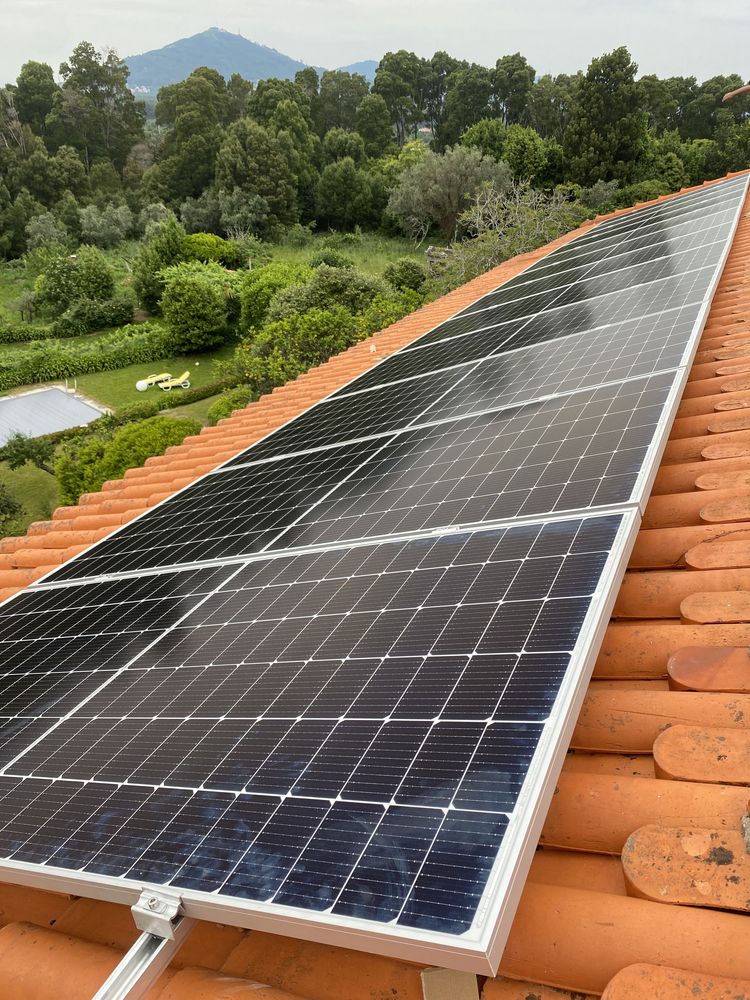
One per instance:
(643, 870)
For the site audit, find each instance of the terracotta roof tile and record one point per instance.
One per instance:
(656, 778)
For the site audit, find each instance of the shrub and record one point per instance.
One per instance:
(10, 511)
(66, 279)
(57, 287)
(248, 251)
(199, 304)
(258, 288)
(46, 230)
(106, 227)
(95, 279)
(406, 273)
(88, 315)
(90, 460)
(163, 248)
(297, 235)
(205, 247)
(387, 309)
(328, 286)
(287, 348)
(332, 257)
(228, 402)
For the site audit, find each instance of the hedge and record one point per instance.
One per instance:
(85, 316)
(52, 360)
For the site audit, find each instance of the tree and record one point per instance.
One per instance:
(348, 195)
(197, 302)
(67, 279)
(287, 348)
(525, 153)
(437, 80)
(466, 102)
(550, 103)
(328, 286)
(89, 461)
(338, 144)
(704, 110)
(94, 110)
(267, 96)
(501, 224)
(10, 510)
(164, 247)
(487, 135)
(195, 112)
(46, 230)
(339, 97)
(512, 81)
(35, 95)
(238, 91)
(301, 149)
(440, 188)
(20, 449)
(399, 80)
(251, 159)
(374, 125)
(105, 228)
(606, 136)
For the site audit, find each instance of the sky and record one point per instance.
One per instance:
(700, 38)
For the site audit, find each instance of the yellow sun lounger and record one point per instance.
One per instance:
(181, 382)
(145, 383)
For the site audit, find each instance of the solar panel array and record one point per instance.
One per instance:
(333, 681)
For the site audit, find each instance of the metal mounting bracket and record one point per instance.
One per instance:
(159, 917)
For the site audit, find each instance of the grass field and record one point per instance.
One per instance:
(371, 252)
(35, 490)
(115, 389)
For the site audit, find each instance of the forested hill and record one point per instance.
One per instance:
(218, 49)
(223, 51)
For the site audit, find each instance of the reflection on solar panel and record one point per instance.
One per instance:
(327, 689)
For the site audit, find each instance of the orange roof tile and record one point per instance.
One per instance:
(649, 806)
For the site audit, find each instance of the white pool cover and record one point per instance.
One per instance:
(37, 413)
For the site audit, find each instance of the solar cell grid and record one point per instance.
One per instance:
(405, 736)
(595, 284)
(572, 255)
(235, 514)
(657, 340)
(664, 249)
(562, 319)
(568, 453)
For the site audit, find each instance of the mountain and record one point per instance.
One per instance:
(367, 68)
(221, 50)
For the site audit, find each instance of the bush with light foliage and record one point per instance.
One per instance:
(200, 304)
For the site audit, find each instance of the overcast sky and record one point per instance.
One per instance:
(668, 37)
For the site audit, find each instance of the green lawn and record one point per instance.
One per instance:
(371, 252)
(196, 411)
(117, 388)
(35, 490)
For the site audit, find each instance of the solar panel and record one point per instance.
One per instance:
(586, 314)
(609, 353)
(327, 689)
(568, 453)
(342, 735)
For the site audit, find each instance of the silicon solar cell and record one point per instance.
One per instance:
(319, 717)
(328, 687)
(621, 350)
